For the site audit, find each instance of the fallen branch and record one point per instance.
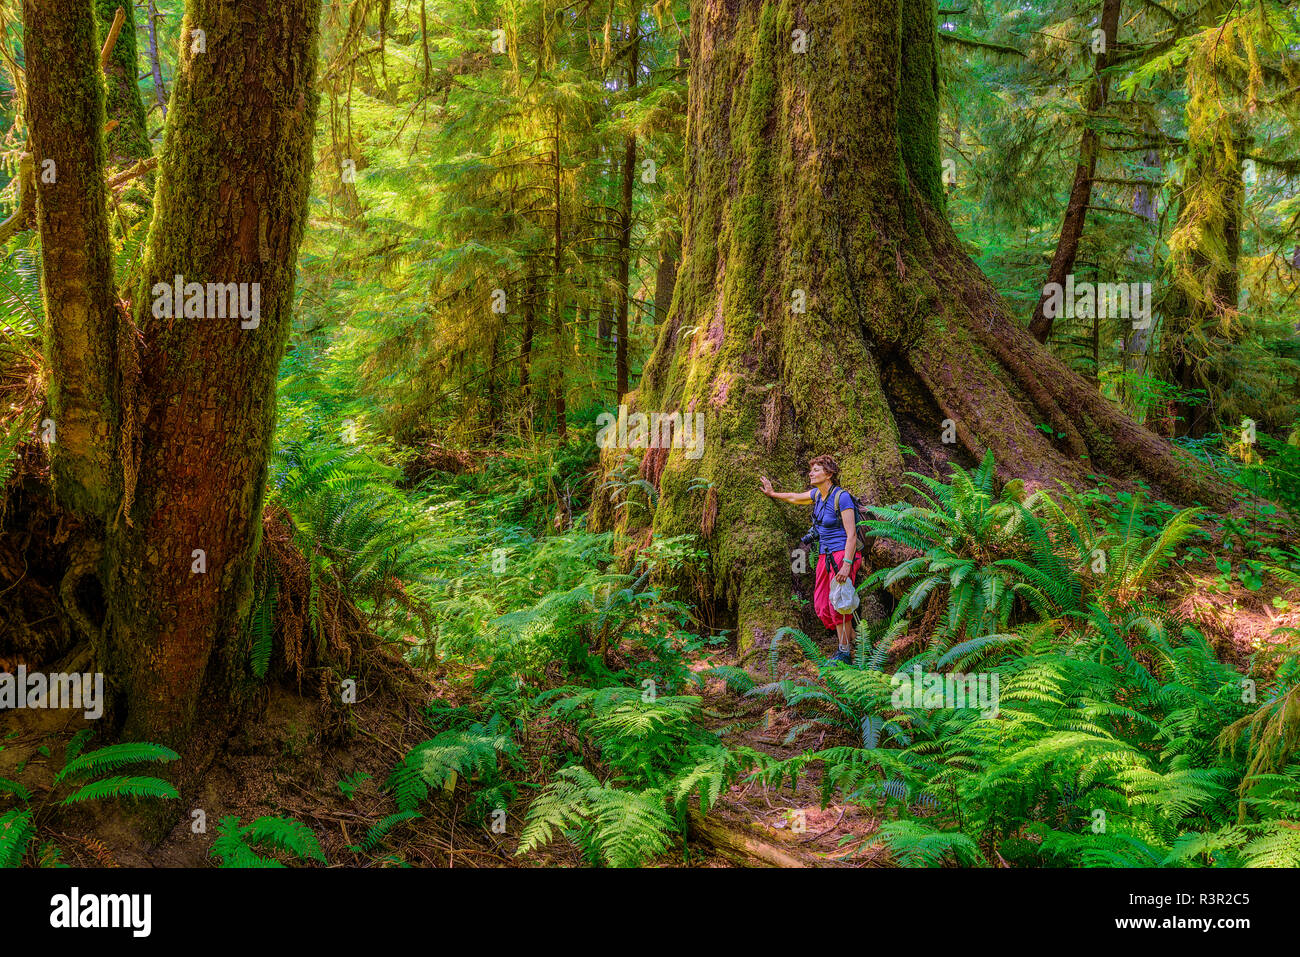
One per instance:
(118, 19)
(139, 169)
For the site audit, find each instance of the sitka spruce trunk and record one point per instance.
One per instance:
(824, 304)
(212, 314)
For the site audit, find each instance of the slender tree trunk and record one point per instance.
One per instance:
(1200, 308)
(604, 327)
(1137, 341)
(625, 224)
(604, 333)
(1096, 346)
(65, 113)
(155, 62)
(128, 141)
(813, 180)
(230, 208)
(424, 40)
(494, 384)
(559, 384)
(530, 321)
(1076, 210)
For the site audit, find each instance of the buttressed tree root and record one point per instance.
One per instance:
(824, 302)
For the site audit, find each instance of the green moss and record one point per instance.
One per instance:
(918, 101)
(206, 443)
(129, 140)
(65, 109)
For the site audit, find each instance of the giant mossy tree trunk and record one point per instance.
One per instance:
(230, 207)
(814, 179)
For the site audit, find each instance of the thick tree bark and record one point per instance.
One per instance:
(65, 113)
(1076, 210)
(230, 207)
(128, 141)
(813, 179)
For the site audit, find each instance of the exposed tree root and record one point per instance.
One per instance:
(741, 844)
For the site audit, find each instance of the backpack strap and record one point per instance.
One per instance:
(816, 502)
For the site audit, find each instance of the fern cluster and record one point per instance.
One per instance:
(657, 758)
(238, 845)
(20, 825)
(1119, 738)
(993, 557)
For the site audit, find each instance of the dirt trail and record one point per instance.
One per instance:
(760, 825)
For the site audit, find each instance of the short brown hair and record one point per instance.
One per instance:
(829, 464)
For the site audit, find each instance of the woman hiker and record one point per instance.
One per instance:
(835, 522)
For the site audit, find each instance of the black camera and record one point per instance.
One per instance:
(809, 536)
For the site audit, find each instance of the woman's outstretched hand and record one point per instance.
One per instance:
(767, 485)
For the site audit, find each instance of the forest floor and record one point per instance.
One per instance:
(281, 764)
(784, 822)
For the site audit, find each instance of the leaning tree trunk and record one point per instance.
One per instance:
(813, 180)
(1076, 209)
(230, 208)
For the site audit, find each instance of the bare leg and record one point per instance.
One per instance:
(844, 630)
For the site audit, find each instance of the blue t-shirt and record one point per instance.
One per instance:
(830, 529)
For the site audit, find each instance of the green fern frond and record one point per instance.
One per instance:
(121, 786)
(114, 756)
(16, 832)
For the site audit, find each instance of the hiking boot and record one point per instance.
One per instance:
(843, 656)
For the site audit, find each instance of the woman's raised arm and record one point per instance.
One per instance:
(794, 498)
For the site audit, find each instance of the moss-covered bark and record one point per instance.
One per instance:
(128, 141)
(65, 114)
(813, 181)
(230, 207)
